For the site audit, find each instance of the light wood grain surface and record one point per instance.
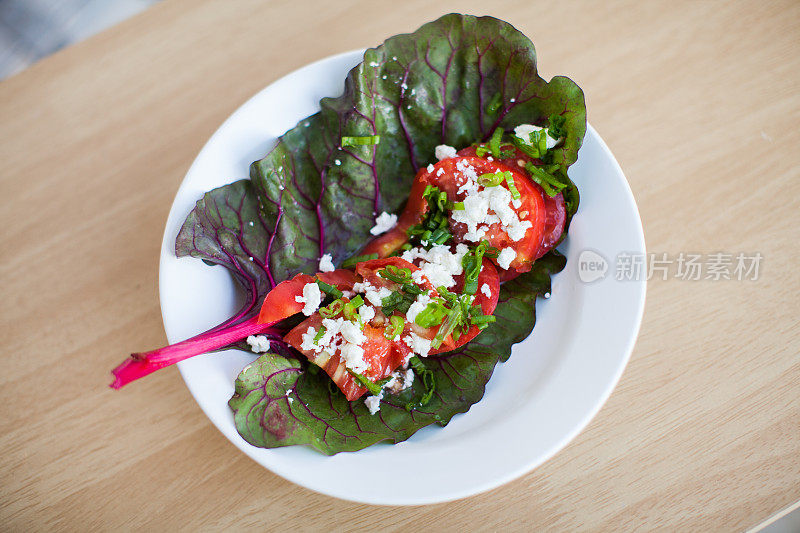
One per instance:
(699, 101)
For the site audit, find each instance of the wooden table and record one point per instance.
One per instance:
(700, 102)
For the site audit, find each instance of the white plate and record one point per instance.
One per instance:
(554, 383)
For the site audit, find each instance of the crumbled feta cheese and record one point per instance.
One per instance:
(258, 343)
(444, 151)
(486, 290)
(353, 357)
(251, 223)
(418, 277)
(367, 313)
(440, 172)
(372, 294)
(505, 257)
(373, 63)
(487, 206)
(351, 332)
(326, 263)
(417, 307)
(439, 264)
(430, 168)
(418, 345)
(373, 403)
(400, 381)
(308, 340)
(311, 297)
(383, 223)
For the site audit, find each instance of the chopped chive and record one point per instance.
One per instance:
(458, 206)
(428, 381)
(332, 309)
(364, 381)
(396, 274)
(395, 327)
(546, 181)
(320, 334)
(492, 180)
(432, 315)
(353, 261)
(329, 289)
(494, 142)
(481, 150)
(361, 141)
(494, 104)
(511, 187)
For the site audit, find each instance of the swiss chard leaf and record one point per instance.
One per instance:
(278, 403)
(453, 81)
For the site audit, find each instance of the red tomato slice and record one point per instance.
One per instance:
(279, 303)
(555, 208)
(382, 355)
(447, 176)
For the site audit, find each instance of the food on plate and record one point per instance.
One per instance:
(391, 247)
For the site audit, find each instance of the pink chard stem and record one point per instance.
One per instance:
(142, 364)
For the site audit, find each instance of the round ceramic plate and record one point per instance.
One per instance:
(553, 384)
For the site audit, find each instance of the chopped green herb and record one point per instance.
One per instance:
(494, 142)
(361, 141)
(320, 334)
(492, 180)
(511, 187)
(373, 387)
(332, 309)
(356, 259)
(481, 150)
(458, 206)
(328, 289)
(494, 104)
(428, 381)
(397, 274)
(546, 181)
(433, 315)
(395, 327)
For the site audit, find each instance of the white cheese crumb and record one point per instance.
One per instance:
(506, 256)
(374, 63)
(251, 223)
(311, 297)
(258, 343)
(326, 263)
(351, 332)
(373, 403)
(430, 168)
(486, 290)
(439, 264)
(372, 294)
(418, 345)
(367, 313)
(308, 340)
(353, 357)
(444, 151)
(383, 223)
(400, 381)
(338, 162)
(547, 295)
